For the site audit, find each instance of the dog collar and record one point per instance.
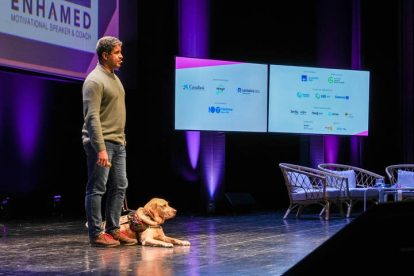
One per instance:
(138, 226)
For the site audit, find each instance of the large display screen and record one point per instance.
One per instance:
(318, 100)
(55, 36)
(220, 95)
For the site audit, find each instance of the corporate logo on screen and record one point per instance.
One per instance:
(247, 91)
(333, 114)
(306, 78)
(322, 96)
(296, 112)
(302, 95)
(307, 127)
(317, 113)
(220, 89)
(193, 87)
(341, 129)
(349, 115)
(335, 79)
(328, 128)
(341, 97)
(219, 110)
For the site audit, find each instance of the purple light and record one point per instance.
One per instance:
(331, 148)
(354, 151)
(193, 42)
(1, 109)
(355, 155)
(356, 35)
(57, 196)
(193, 146)
(213, 160)
(28, 106)
(193, 28)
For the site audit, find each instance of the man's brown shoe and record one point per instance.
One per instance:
(124, 238)
(104, 240)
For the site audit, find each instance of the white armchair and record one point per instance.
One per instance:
(307, 186)
(358, 183)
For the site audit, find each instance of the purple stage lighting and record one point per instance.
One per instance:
(28, 106)
(213, 160)
(193, 42)
(193, 146)
(193, 28)
(331, 148)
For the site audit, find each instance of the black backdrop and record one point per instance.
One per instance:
(282, 33)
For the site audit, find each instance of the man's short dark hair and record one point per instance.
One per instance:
(106, 44)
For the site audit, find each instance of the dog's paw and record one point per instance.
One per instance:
(168, 245)
(185, 243)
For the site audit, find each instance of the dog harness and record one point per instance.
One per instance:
(138, 226)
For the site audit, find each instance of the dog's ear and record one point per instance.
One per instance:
(151, 208)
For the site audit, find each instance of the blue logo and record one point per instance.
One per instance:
(342, 97)
(318, 96)
(220, 110)
(185, 86)
(212, 109)
(299, 95)
(304, 78)
(239, 90)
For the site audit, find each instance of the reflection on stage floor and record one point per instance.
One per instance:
(257, 243)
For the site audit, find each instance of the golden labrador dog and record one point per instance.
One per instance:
(145, 224)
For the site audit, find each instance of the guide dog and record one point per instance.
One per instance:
(145, 224)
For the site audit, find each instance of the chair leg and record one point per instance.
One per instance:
(323, 211)
(300, 210)
(348, 213)
(287, 213)
(327, 211)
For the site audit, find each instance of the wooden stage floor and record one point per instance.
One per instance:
(256, 243)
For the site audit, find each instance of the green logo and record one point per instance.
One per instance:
(220, 89)
(330, 79)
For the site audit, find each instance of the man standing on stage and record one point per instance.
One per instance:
(104, 141)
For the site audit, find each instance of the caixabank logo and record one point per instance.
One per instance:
(193, 87)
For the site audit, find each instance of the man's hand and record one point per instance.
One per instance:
(103, 159)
